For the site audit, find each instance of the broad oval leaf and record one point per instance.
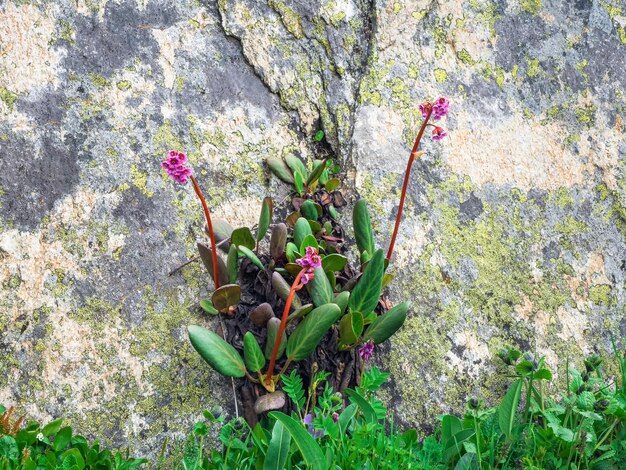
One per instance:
(243, 237)
(232, 264)
(309, 240)
(366, 293)
(222, 231)
(264, 219)
(308, 210)
(341, 300)
(273, 326)
(248, 253)
(208, 307)
(298, 182)
(387, 324)
(310, 331)
(508, 408)
(252, 354)
(334, 262)
(278, 449)
(292, 252)
(310, 450)
(295, 164)
(206, 255)
(362, 227)
(280, 169)
(226, 298)
(278, 241)
(220, 355)
(301, 230)
(332, 184)
(282, 289)
(318, 169)
(300, 312)
(319, 288)
(350, 328)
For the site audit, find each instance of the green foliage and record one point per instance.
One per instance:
(387, 324)
(366, 293)
(53, 447)
(252, 353)
(220, 355)
(264, 219)
(310, 331)
(363, 230)
(319, 288)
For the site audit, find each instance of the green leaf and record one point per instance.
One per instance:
(334, 262)
(255, 360)
(455, 444)
(301, 230)
(450, 425)
(226, 298)
(206, 255)
(292, 385)
(362, 227)
(191, 453)
(300, 312)
(542, 374)
(350, 328)
(273, 325)
(468, 461)
(341, 300)
(309, 240)
(278, 241)
(62, 439)
(366, 293)
(387, 324)
(298, 182)
(333, 212)
(308, 210)
(318, 136)
(318, 169)
(332, 184)
(296, 165)
(561, 432)
(222, 231)
(232, 264)
(52, 427)
(264, 219)
(282, 289)
(280, 169)
(243, 237)
(252, 257)
(278, 450)
(310, 331)
(292, 252)
(319, 288)
(310, 450)
(368, 411)
(220, 355)
(72, 460)
(508, 408)
(208, 307)
(347, 416)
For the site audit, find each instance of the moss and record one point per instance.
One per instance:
(533, 69)
(440, 75)
(179, 83)
(601, 294)
(465, 57)
(586, 115)
(531, 6)
(570, 226)
(123, 85)
(8, 97)
(99, 80)
(140, 180)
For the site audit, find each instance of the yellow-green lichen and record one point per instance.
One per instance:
(533, 69)
(601, 294)
(140, 180)
(465, 57)
(8, 97)
(99, 80)
(440, 75)
(531, 6)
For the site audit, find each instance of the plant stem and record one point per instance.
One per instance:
(281, 329)
(407, 174)
(207, 215)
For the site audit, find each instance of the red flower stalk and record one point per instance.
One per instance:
(438, 110)
(177, 168)
(309, 262)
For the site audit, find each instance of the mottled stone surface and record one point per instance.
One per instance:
(515, 224)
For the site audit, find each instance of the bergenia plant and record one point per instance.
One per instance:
(332, 311)
(435, 110)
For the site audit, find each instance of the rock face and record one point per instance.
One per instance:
(514, 229)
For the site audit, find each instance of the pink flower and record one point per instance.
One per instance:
(440, 107)
(438, 133)
(307, 276)
(175, 166)
(367, 351)
(426, 108)
(310, 259)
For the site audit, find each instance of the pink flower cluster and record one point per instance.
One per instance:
(176, 168)
(309, 261)
(437, 110)
(367, 351)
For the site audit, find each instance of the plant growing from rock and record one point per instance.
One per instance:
(332, 313)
